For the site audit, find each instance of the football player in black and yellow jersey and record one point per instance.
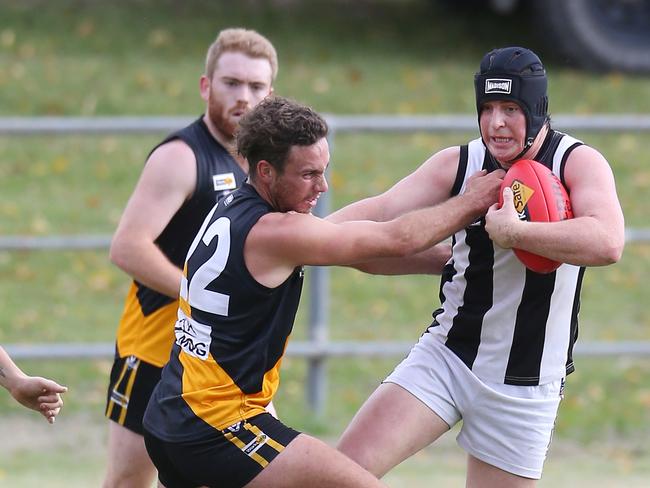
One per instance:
(183, 178)
(206, 423)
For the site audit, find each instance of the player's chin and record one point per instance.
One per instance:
(312, 203)
(306, 208)
(232, 122)
(504, 156)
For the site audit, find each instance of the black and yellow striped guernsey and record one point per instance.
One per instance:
(145, 329)
(231, 331)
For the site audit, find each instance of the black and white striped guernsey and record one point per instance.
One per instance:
(506, 323)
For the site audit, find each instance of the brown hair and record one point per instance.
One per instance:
(273, 127)
(245, 41)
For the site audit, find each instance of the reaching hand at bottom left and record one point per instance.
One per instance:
(39, 394)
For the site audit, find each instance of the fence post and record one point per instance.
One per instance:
(319, 303)
(319, 316)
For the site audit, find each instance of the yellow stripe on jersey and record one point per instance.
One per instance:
(149, 338)
(215, 398)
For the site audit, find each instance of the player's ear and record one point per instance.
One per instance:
(264, 170)
(204, 87)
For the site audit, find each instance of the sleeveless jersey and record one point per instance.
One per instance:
(506, 323)
(231, 331)
(146, 326)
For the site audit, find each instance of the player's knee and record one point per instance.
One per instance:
(130, 475)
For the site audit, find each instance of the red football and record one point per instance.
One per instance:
(539, 196)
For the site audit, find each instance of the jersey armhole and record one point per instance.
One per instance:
(460, 173)
(565, 156)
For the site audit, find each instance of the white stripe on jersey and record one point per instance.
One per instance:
(521, 334)
(565, 143)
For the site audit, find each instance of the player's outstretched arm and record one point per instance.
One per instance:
(279, 242)
(36, 393)
(429, 184)
(429, 261)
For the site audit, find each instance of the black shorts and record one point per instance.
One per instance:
(229, 459)
(131, 385)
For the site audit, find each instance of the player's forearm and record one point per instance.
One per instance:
(149, 266)
(429, 261)
(423, 228)
(582, 241)
(367, 209)
(167, 281)
(163, 277)
(9, 372)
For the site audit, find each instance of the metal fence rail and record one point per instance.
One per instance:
(27, 126)
(306, 349)
(317, 349)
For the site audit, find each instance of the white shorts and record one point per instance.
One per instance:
(507, 426)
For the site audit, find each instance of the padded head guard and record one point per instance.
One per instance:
(516, 74)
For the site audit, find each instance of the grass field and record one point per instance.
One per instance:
(73, 457)
(140, 57)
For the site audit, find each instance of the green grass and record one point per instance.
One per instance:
(81, 439)
(385, 56)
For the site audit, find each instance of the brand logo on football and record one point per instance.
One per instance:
(520, 196)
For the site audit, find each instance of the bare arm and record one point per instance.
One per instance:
(279, 242)
(596, 234)
(429, 261)
(428, 185)
(167, 180)
(33, 392)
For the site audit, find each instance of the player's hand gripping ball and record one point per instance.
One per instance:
(538, 196)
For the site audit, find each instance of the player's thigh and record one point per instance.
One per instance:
(483, 475)
(310, 462)
(126, 449)
(128, 462)
(509, 426)
(391, 426)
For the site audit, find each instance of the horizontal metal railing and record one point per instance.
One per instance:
(26, 126)
(305, 349)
